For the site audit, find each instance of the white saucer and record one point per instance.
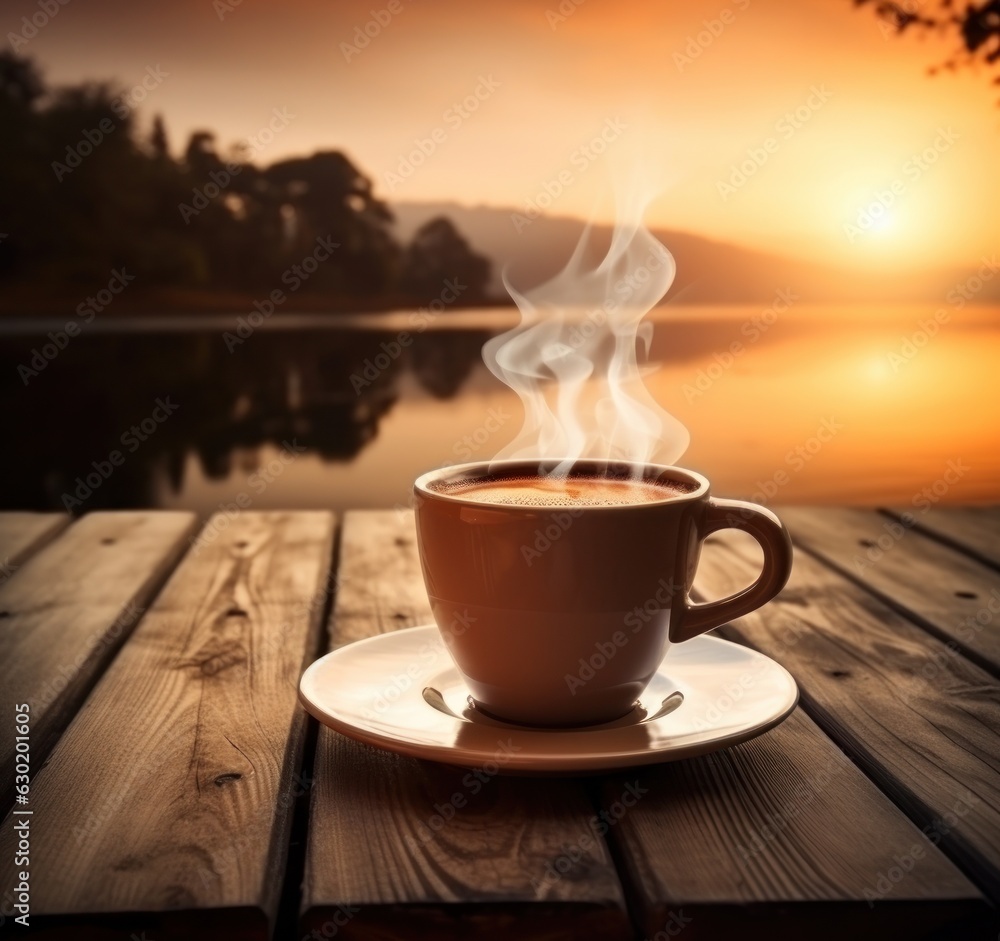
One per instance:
(401, 691)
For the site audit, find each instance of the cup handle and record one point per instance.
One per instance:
(769, 531)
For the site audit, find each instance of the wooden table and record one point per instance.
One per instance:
(178, 790)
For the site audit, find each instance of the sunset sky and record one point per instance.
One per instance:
(548, 84)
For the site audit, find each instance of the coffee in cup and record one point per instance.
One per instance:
(534, 578)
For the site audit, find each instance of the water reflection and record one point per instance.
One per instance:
(372, 413)
(324, 392)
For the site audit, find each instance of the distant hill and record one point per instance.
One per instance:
(707, 271)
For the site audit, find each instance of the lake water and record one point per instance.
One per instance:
(817, 405)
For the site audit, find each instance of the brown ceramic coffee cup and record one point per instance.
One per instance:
(560, 615)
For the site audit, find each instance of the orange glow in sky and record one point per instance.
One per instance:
(801, 128)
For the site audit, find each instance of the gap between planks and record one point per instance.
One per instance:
(373, 849)
(953, 596)
(920, 719)
(166, 804)
(366, 804)
(67, 610)
(23, 534)
(973, 530)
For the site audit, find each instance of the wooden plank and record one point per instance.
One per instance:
(781, 836)
(383, 585)
(974, 530)
(952, 595)
(920, 719)
(22, 534)
(376, 864)
(69, 609)
(166, 801)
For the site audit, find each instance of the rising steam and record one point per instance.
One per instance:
(574, 363)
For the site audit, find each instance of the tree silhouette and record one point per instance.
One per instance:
(22, 162)
(158, 139)
(81, 194)
(439, 254)
(20, 81)
(977, 26)
(326, 195)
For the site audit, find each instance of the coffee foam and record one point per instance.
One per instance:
(563, 491)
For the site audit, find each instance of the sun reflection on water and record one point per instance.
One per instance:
(892, 415)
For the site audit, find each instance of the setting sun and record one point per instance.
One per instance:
(500, 470)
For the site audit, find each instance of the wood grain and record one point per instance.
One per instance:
(954, 596)
(381, 585)
(376, 851)
(919, 718)
(171, 789)
(974, 530)
(22, 534)
(70, 607)
(781, 836)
